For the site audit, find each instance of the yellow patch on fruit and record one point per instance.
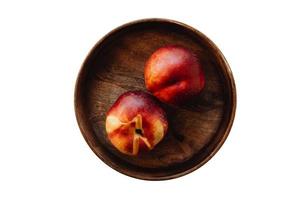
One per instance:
(112, 123)
(120, 143)
(158, 129)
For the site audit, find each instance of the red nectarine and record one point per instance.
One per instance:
(135, 122)
(174, 74)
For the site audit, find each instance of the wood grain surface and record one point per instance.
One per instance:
(116, 65)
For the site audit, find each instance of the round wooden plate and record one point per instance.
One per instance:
(116, 65)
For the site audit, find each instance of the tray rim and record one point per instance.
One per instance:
(232, 90)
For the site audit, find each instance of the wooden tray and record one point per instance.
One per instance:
(116, 65)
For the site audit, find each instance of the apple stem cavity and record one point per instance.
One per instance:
(139, 125)
(139, 131)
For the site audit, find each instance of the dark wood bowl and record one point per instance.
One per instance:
(116, 65)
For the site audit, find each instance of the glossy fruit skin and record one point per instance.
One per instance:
(136, 123)
(174, 74)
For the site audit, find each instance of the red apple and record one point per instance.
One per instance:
(174, 74)
(135, 123)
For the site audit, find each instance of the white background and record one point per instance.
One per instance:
(42, 152)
